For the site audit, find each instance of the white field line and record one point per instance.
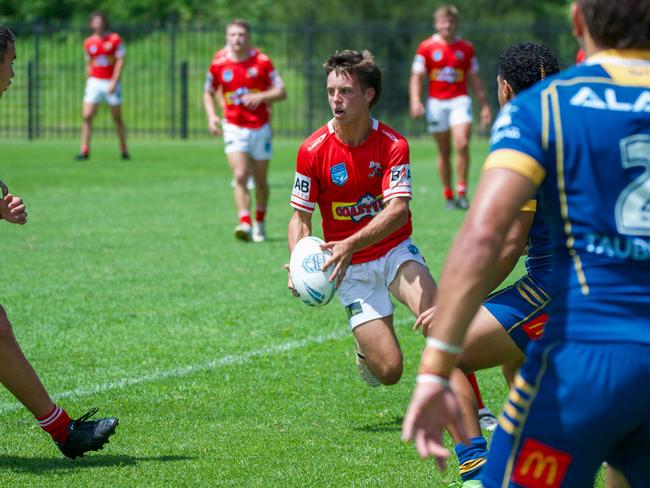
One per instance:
(195, 368)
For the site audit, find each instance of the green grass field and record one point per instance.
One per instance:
(128, 292)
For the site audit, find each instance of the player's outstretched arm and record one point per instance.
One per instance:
(391, 218)
(214, 122)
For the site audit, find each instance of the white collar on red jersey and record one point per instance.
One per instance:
(438, 38)
(330, 125)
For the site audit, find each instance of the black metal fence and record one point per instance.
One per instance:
(166, 66)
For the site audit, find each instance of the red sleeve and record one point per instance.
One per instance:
(396, 181)
(211, 79)
(304, 193)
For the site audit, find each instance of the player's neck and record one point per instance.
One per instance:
(101, 33)
(353, 134)
(241, 55)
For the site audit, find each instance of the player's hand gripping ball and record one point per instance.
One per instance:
(309, 280)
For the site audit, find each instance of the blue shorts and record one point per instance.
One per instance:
(573, 406)
(520, 309)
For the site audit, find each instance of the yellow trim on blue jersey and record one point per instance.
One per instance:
(622, 53)
(471, 465)
(516, 399)
(506, 424)
(518, 162)
(532, 292)
(628, 74)
(527, 318)
(561, 186)
(530, 206)
(512, 411)
(546, 125)
(523, 385)
(507, 474)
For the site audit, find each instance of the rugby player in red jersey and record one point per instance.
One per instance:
(448, 61)
(105, 60)
(73, 437)
(245, 82)
(357, 170)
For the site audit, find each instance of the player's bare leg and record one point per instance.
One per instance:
(615, 479)
(443, 141)
(260, 176)
(88, 113)
(414, 287)
(378, 351)
(17, 375)
(460, 134)
(116, 112)
(510, 369)
(240, 166)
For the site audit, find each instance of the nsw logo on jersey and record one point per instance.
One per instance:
(437, 55)
(366, 206)
(227, 76)
(339, 174)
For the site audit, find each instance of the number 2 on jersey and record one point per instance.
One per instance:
(633, 204)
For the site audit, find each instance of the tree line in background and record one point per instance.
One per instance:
(276, 11)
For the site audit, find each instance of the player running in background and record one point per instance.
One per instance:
(246, 83)
(104, 63)
(448, 61)
(582, 397)
(73, 437)
(510, 318)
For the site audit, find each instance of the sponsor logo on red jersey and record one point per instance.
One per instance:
(366, 206)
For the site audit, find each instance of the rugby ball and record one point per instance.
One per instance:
(311, 283)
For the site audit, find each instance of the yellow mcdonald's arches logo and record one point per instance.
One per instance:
(537, 461)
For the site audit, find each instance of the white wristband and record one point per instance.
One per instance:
(432, 378)
(443, 346)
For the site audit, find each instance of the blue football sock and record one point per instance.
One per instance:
(472, 458)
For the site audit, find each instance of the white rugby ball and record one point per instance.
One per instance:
(311, 283)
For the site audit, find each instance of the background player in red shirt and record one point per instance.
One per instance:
(357, 170)
(105, 59)
(245, 82)
(448, 61)
(73, 437)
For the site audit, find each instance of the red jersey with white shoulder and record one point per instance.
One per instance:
(446, 65)
(236, 78)
(353, 184)
(102, 53)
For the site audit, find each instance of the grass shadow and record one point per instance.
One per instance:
(391, 425)
(39, 465)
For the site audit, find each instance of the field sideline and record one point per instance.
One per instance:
(128, 292)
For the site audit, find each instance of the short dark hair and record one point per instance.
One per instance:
(241, 23)
(526, 63)
(6, 37)
(98, 13)
(361, 64)
(620, 24)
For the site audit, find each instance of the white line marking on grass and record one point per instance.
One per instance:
(187, 370)
(194, 368)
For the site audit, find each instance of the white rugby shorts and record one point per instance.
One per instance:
(443, 114)
(97, 92)
(256, 142)
(364, 290)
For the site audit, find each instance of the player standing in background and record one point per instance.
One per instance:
(105, 60)
(447, 61)
(512, 317)
(582, 396)
(73, 437)
(246, 83)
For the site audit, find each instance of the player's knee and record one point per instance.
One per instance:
(240, 176)
(390, 372)
(462, 145)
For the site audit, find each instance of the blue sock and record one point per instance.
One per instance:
(472, 458)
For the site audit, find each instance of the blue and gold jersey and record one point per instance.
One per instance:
(584, 137)
(538, 249)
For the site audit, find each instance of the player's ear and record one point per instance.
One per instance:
(577, 21)
(370, 94)
(508, 92)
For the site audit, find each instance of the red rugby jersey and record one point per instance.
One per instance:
(101, 54)
(446, 65)
(256, 73)
(352, 184)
